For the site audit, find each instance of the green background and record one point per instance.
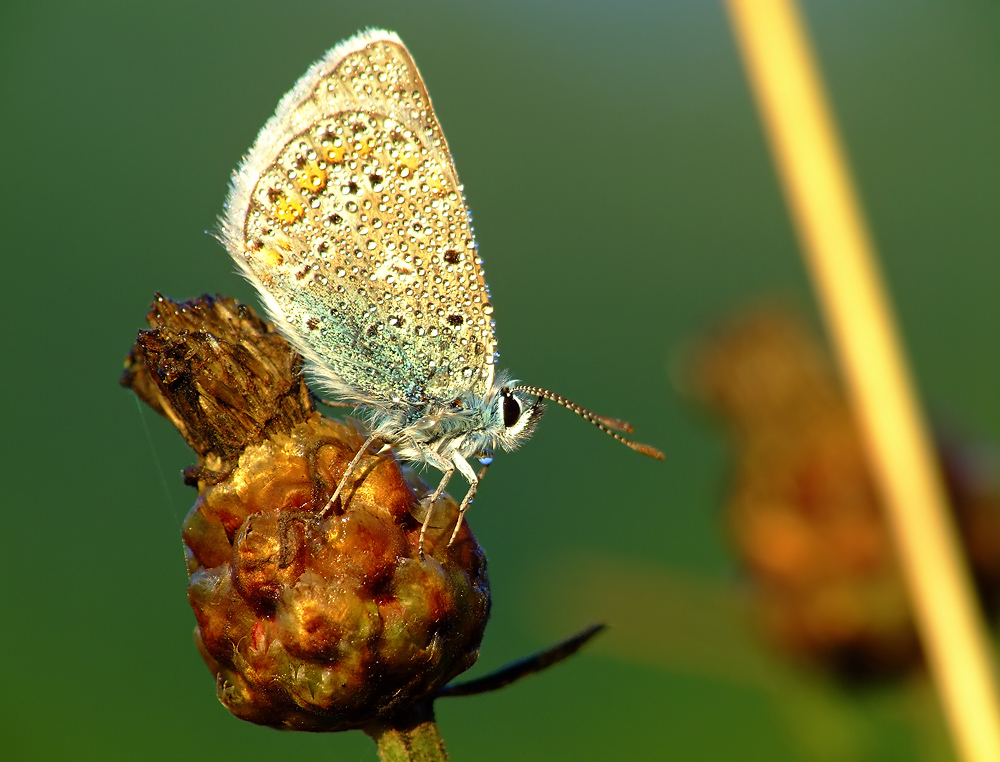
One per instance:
(623, 200)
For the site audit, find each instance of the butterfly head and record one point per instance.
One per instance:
(514, 411)
(515, 414)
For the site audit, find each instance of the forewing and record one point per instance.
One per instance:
(348, 217)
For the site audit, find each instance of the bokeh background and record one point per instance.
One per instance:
(623, 201)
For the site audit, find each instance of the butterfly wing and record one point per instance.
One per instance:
(348, 218)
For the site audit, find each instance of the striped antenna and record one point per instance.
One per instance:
(610, 426)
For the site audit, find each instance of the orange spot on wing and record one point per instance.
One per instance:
(311, 177)
(409, 161)
(334, 153)
(288, 209)
(271, 257)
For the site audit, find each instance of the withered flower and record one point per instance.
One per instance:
(307, 622)
(804, 514)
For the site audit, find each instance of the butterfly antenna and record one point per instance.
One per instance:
(610, 426)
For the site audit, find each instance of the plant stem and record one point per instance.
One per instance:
(410, 737)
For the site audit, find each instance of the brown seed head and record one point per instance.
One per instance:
(805, 516)
(308, 623)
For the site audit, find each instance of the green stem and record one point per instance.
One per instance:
(410, 737)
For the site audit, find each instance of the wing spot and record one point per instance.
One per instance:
(271, 257)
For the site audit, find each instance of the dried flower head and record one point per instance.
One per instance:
(804, 514)
(308, 622)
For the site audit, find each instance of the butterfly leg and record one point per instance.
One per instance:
(466, 470)
(448, 469)
(347, 474)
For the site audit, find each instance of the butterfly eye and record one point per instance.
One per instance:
(511, 410)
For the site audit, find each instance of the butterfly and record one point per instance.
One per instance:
(348, 217)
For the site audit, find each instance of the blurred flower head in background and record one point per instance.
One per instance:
(803, 515)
